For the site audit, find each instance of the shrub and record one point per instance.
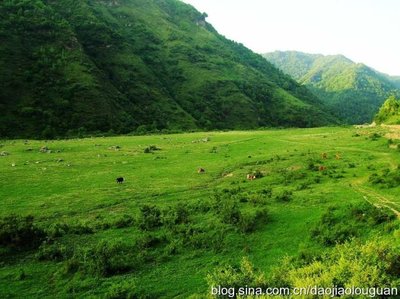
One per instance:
(105, 259)
(174, 246)
(267, 192)
(80, 228)
(249, 219)
(374, 263)
(376, 179)
(201, 206)
(151, 149)
(229, 208)
(124, 221)
(371, 214)
(333, 228)
(388, 178)
(175, 215)
(150, 217)
(21, 275)
(317, 179)
(232, 278)
(312, 164)
(20, 232)
(150, 240)
(374, 136)
(284, 196)
(226, 207)
(209, 238)
(52, 252)
(338, 226)
(337, 233)
(258, 174)
(122, 290)
(214, 150)
(257, 199)
(290, 176)
(303, 186)
(56, 230)
(233, 191)
(229, 212)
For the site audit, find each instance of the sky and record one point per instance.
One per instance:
(366, 31)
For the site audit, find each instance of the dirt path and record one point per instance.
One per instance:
(377, 199)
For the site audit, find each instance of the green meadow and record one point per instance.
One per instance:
(68, 229)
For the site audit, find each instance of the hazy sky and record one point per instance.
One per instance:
(365, 31)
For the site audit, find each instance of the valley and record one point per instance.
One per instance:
(168, 223)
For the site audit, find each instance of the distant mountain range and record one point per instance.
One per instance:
(353, 91)
(72, 67)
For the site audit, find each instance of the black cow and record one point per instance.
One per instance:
(120, 180)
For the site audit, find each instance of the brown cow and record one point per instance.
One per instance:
(251, 177)
(321, 168)
(201, 170)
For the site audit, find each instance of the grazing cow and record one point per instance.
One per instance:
(337, 157)
(120, 180)
(321, 168)
(324, 156)
(251, 177)
(201, 170)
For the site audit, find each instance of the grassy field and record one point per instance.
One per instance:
(167, 226)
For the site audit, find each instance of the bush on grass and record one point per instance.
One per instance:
(20, 232)
(150, 217)
(104, 259)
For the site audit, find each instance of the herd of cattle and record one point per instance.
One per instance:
(251, 176)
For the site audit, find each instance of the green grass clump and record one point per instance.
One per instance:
(104, 260)
(17, 232)
(365, 264)
(340, 225)
(387, 179)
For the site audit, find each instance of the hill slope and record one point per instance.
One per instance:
(68, 67)
(354, 91)
(395, 80)
(389, 113)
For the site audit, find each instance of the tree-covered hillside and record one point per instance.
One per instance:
(353, 91)
(69, 67)
(389, 113)
(395, 80)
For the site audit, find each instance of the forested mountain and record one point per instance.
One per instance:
(353, 91)
(389, 113)
(123, 65)
(395, 80)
